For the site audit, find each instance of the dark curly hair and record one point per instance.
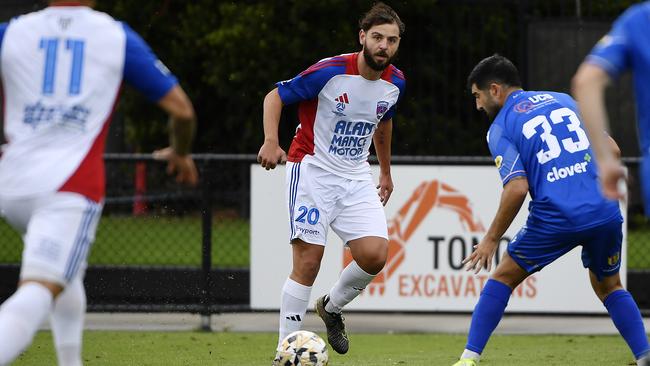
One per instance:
(495, 68)
(381, 13)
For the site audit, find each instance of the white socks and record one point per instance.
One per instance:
(353, 280)
(23, 313)
(470, 354)
(20, 317)
(67, 320)
(644, 361)
(295, 299)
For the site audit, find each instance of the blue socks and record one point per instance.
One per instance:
(487, 314)
(494, 299)
(627, 319)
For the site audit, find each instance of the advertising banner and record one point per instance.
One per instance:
(435, 216)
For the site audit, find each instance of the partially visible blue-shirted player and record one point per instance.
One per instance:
(625, 47)
(61, 70)
(540, 148)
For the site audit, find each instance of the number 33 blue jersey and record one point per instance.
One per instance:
(539, 135)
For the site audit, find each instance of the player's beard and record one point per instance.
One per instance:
(492, 109)
(370, 61)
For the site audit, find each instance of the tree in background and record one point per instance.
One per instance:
(228, 54)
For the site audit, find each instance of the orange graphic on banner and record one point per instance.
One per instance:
(427, 195)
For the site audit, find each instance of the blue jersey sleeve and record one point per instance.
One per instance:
(398, 79)
(613, 52)
(3, 28)
(391, 112)
(505, 154)
(143, 70)
(310, 82)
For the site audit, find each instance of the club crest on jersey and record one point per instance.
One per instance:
(524, 106)
(613, 260)
(64, 23)
(382, 108)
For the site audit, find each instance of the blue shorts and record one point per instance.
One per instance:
(533, 248)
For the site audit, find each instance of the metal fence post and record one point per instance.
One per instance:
(206, 245)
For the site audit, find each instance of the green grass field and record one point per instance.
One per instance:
(243, 349)
(169, 240)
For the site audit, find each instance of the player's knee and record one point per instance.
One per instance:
(602, 293)
(506, 279)
(372, 263)
(371, 256)
(306, 270)
(511, 278)
(605, 288)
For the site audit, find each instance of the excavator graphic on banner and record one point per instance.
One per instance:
(427, 196)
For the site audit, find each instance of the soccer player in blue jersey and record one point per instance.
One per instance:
(540, 148)
(61, 70)
(626, 46)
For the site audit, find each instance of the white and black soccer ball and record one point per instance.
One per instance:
(302, 348)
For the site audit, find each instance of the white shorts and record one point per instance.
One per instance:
(58, 230)
(319, 199)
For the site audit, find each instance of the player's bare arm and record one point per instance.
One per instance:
(182, 124)
(382, 140)
(588, 88)
(613, 147)
(513, 196)
(271, 154)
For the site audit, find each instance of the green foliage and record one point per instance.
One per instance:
(229, 54)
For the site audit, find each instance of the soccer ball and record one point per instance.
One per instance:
(302, 348)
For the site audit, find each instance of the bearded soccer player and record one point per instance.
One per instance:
(61, 71)
(346, 103)
(539, 146)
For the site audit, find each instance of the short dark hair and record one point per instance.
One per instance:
(381, 13)
(494, 69)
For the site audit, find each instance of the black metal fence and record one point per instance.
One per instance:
(162, 247)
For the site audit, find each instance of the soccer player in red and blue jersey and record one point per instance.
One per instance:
(539, 147)
(625, 47)
(346, 103)
(62, 69)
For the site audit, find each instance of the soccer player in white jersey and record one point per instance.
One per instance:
(61, 71)
(346, 103)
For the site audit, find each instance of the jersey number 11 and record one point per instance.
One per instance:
(50, 47)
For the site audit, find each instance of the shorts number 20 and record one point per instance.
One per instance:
(311, 214)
